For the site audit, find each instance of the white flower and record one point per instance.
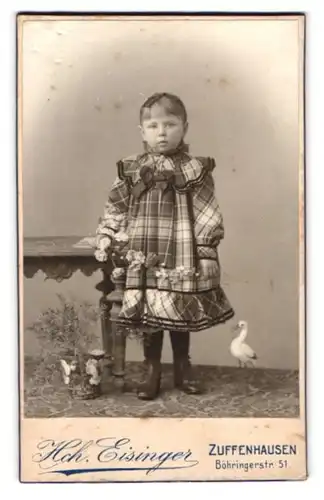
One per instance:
(100, 255)
(121, 237)
(174, 276)
(162, 273)
(180, 271)
(137, 261)
(118, 272)
(136, 266)
(130, 255)
(120, 217)
(139, 257)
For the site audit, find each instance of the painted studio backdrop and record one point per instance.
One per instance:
(83, 85)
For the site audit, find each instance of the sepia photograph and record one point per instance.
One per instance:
(161, 223)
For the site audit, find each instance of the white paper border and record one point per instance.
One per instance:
(314, 110)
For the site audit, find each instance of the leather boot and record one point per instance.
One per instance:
(184, 378)
(150, 386)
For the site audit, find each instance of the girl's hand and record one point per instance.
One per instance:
(101, 255)
(103, 243)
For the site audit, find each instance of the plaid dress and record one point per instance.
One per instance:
(167, 207)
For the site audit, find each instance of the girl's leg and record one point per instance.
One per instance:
(184, 378)
(150, 386)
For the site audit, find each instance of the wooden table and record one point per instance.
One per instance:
(59, 259)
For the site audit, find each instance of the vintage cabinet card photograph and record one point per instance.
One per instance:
(161, 247)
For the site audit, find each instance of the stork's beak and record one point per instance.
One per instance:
(235, 328)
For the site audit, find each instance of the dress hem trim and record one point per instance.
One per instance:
(179, 325)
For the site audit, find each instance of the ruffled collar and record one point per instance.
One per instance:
(178, 169)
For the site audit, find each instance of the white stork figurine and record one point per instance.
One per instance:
(239, 349)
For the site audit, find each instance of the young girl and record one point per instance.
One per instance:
(163, 198)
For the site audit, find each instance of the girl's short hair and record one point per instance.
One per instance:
(170, 102)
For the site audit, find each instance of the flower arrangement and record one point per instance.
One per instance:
(175, 275)
(114, 246)
(109, 238)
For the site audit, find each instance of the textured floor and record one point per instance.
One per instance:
(230, 392)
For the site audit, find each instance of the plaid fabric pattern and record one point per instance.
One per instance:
(208, 277)
(207, 252)
(170, 310)
(180, 222)
(208, 220)
(151, 228)
(115, 211)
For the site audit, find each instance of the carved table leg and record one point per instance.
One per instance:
(105, 286)
(116, 298)
(107, 335)
(119, 359)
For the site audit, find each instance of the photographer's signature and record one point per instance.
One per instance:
(58, 456)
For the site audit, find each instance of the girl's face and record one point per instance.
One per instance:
(162, 131)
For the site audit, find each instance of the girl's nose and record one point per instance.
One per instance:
(161, 131)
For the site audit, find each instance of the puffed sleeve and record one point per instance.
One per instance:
(114, 218)
(208, 219)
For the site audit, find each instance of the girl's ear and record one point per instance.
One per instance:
(185, 128)
(141, 130)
